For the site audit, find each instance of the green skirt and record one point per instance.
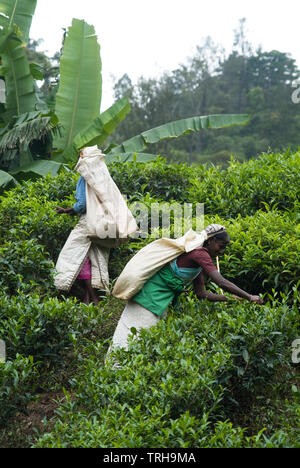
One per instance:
(159, 291)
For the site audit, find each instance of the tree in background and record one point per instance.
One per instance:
(48, 68)
(30, 144)
(245, 81)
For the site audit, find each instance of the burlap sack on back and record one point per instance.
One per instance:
(151, 258)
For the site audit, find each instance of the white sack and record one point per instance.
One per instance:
(152, 258)
(108, 218)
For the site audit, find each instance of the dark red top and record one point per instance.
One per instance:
(195, 258)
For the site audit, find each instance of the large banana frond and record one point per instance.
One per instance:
(79, 94)
(20, 95)
(97, 131)
(19, 12)
(126, 157)
(6, 181)
(176, 129)
(38, 169)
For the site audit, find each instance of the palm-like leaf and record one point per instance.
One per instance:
(38, 169)
(79, 94)
(20, 96)
(126, 157)
(6, 181)
(176, 129)
(19, 12)
(28, 127)
(97, 131)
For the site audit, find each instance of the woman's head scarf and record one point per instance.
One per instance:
(214, 229)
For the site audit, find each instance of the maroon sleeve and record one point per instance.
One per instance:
(195, 258)
(203, 259)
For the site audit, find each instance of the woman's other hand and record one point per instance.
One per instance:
(256, 299)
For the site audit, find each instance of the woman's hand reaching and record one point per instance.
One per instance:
(256, 299)
(60, 210)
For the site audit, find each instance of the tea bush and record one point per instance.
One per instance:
(45, 339)
(162, 181)
(244, 188)
(174, 384)
(200, 377)
(264, 251)
(18, 380)
(46, 329)
(28, 212)
(23, 264)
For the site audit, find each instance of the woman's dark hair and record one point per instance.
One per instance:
(222, 236)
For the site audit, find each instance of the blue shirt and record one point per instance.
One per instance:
(80, 195)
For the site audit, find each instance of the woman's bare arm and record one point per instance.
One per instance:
(230, 287)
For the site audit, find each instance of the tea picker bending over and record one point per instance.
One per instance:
(150, 303)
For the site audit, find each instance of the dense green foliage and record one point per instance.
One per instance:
(272, 179)
(250, 81)
(211, 374)
(177, 383)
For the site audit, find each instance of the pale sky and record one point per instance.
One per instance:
(148, 37)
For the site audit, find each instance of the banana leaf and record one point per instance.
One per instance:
(36, 71)
(79, 94)
(97, 131)
(19, 12)
(178, 128)
(126, 157)
(38, 169)
(7, 181)
(20, 95)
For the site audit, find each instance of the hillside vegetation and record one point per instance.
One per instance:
(210, 375)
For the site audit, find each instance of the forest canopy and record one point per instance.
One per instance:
(244, 81)
(249, 81)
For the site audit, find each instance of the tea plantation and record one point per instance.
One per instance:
(210, 375)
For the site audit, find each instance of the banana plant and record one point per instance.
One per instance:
(19, 83)
(7, 181)
(132, 147)
(20, 122)
(78, 97)
(77, 101)
(32, 126)
(15, 21)
(19, 12)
